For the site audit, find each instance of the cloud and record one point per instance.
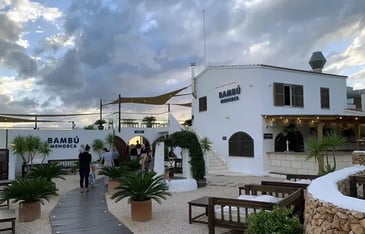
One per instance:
(79, 52)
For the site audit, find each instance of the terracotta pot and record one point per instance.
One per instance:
(141, 211)
(112, 185)
(29, 211)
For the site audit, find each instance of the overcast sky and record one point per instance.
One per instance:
(64, 56)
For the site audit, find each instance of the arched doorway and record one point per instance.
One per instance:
(122, 148)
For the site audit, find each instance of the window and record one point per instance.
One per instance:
(288, 95)
(241, 144)
(203, 104)
(325, 98)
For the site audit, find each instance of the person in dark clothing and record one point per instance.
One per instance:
(84, 169)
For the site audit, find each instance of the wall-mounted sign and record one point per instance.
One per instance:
(230, 95)
(63, 142)
(224, 138)
(268, 136)
(138, 131)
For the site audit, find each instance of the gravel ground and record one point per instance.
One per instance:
(171, 216)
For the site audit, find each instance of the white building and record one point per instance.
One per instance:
(243, 109)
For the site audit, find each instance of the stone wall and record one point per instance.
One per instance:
(358, 157)
(324, 217)
(298, 163)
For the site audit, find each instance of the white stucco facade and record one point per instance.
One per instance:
(247, 107)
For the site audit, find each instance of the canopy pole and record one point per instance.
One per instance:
(119, 114)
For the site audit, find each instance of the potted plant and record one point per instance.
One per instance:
(100, 123)
(140, 189)
(149, 120)
(48, 171)
(31, 192)
(114, 173)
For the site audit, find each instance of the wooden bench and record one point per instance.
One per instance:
(8, 216)
(232, 213)
(285, 184)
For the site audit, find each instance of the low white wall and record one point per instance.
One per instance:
(297, 163)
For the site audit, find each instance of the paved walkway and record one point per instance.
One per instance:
(78, 213)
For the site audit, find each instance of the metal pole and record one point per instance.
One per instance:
(101, 109)
(120, 111)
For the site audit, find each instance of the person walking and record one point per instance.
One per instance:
(84, 169)
(107, 157)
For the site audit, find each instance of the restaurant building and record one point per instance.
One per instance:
(251, 111)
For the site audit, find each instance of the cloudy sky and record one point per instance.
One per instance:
(64, 56)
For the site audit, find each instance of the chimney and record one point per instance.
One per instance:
(193, 80)
(317, 61)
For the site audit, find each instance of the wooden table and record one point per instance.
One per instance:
(200, 202)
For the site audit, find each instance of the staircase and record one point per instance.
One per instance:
(216, 165)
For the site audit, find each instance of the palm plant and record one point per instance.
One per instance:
(18, 145)
(110, 140)
(48, 171)
(98, 146)
(149, 120)
(316, 149)
(44, 150)
(28, 190)
(27, 147)
(206, 144)
(141, 187)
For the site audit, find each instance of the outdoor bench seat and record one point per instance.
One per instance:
(232, 213)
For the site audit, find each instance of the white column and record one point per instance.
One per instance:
(158, 166)
(185, 164)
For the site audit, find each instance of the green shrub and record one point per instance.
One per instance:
(188, 140)
(278, 221)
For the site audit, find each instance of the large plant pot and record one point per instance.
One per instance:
(29, 211)
(112, 185)
(201, 182)
(141, 211)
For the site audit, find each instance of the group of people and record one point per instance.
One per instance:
(143, 154)
(87, 169)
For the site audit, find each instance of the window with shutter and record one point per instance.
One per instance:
(203, 104)
(325, 98)
(288, 95)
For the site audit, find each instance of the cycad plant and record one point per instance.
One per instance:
(48, 171)
(28, 190)
(113, 173)
(141, 186)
